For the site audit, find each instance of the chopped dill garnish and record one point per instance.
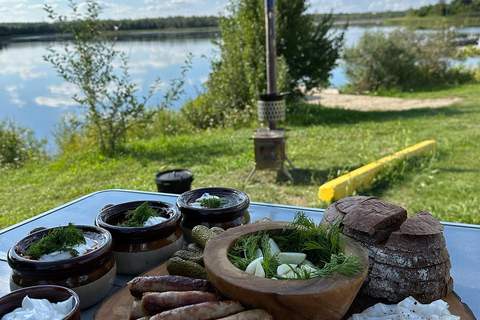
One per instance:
(211, 203)
(58, 239)
(324, 247)
(137, 217)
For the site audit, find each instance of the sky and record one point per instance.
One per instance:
(32, 10)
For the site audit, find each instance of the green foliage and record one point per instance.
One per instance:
(310, 48)
(177, 22)
(403, 59)
(306, 54)
(108, 95)
(18, 144)
(442, 8)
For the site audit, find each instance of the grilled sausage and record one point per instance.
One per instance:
(255, 314)
(156, 302)
(136, 310)
(201, 311)
(140, 285)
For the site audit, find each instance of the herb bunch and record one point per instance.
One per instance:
(246, 249)
(324, 247)
(137, 217)
(58, 239)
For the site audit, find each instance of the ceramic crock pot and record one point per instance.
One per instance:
(90, 275)
(53, 294)
(137, 249)
(235, 214)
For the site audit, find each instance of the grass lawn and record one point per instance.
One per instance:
(334, 141)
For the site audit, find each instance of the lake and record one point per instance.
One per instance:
(33, 95)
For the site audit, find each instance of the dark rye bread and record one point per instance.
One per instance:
(393, 292)
(366, 219)
(400, 242)
(398, 274)
(407, 257)
(412, 260)
(421, 224)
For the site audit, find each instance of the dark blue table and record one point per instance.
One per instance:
(463, 241)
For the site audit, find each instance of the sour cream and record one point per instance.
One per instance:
(153, 221)
(409, 308)
(40, 309)
(61, 255)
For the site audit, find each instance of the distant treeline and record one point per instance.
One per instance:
(442, 8)
(366, 15)
(177, 22)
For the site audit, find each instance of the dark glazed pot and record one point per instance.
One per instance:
(137, 249)
(53, 294)
(91, 275)
(174, 181)
(232, 216)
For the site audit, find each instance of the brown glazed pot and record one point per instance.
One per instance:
(53, 294)
(225, 218)
(137, 249)
(91, 275)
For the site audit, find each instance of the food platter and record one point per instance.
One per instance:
(117, 306)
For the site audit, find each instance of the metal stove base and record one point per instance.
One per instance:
(283, 169)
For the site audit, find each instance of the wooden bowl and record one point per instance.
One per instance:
(316, 298)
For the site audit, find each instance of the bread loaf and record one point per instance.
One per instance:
(407, 256)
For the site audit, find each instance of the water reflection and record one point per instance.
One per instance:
(33, 95)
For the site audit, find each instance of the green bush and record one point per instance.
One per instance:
(403, 59)
(18, 144)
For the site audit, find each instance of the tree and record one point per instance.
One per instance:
(306, 55)
(310, 49)
(92, 63)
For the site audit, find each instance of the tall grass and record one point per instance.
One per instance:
(330, 142)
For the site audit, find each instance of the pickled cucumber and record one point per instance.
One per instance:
(178, 266)
(196, 257)
(217, 230)
(201, 235)
(195, 248)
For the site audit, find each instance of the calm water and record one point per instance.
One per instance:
(33, 95)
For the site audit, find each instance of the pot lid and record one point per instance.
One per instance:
(174, 175)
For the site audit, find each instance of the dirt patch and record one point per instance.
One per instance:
(331, 98)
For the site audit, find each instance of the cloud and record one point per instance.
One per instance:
(54, 102)
(61, 96)
(15, 97)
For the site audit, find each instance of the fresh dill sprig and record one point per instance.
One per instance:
(244, 250)
(317, 242)
(58, 239)
(341, 264)
(137, 217)
(210, 203)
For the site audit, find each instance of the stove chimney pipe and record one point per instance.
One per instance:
(270, 46)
